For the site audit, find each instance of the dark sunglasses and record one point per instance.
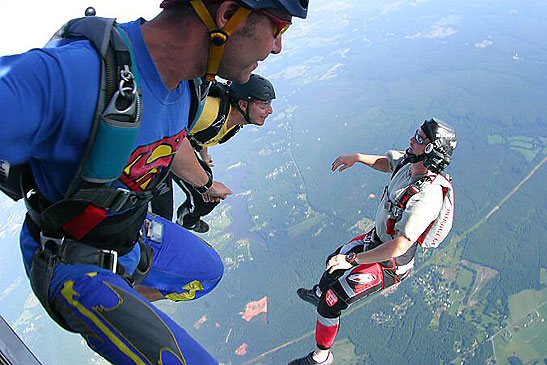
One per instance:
(419, 139)
(281, 25)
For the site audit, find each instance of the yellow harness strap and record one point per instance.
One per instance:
(218, 36)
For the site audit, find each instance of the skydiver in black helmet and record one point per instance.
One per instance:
(416, 210)
(228, 108)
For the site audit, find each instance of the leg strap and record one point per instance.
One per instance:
(41, 272)
(67, 251)
(145, 264)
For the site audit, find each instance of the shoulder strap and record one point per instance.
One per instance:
(218, 90)
(199, 91)
(232, 132)
(119, 107)
(397, 208)
(222, 115)
(105, 37)
(412, 190)
(113, 136)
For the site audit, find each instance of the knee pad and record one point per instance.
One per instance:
(332, 302)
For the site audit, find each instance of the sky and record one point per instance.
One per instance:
(30, 24)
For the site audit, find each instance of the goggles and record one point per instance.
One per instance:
(263, 104)
(419, 139)
(281, 25)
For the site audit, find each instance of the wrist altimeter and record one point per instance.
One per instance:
(204, 188)
(352, 258)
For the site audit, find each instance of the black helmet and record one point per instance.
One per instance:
(257, 88)
(438, 153)
(297, 8)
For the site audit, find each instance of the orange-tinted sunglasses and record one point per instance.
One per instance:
(281, 25)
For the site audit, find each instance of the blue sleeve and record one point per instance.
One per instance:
(48, 99)
(32, 95)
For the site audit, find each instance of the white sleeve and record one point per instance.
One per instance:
(394, 158)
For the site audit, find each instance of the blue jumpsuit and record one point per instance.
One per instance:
(48, 98)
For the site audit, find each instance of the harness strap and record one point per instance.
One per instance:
(87, 208)
(115, 200)
(232, 132)
(199, 96)
(396, 208)
(54, 250)
(221, 91)
(119, 98)
(41, 272)
(145, 264)
(70, 251)
(391, 226)
(218, 36)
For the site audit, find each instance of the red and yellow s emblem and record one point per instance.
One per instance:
(147, 162)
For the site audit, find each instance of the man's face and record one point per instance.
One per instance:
(252, 42)
(258, 111)
(416, 147)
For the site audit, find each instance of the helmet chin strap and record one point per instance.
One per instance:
(217, 36)
(245, 114)
(412, 158)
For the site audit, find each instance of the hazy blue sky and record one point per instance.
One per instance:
(30, 24)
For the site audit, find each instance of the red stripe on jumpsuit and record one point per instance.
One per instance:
(326, 331)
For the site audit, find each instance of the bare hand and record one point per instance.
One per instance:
(338, 262)
(210, 199)
(217, 192)
(344, 162)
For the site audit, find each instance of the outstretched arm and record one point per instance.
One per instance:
(377, 162)
(187, 167)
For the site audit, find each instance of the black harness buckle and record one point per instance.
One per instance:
(108, 259)
(54, 244)
(121, 200)
(163, 188)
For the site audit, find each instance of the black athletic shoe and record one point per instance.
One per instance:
(308, 295)
(309, 360)
(199, 227)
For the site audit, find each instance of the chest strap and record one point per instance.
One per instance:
(86, 208)
(397, 208)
